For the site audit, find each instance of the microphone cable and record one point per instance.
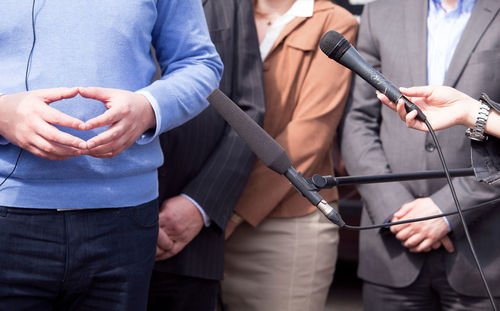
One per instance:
(28, 67)
(400, 222)
(459, 209)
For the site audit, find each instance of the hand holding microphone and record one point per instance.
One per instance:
(444, 107)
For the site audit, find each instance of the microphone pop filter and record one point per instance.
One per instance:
(259, 141)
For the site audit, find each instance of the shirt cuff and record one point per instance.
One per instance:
(206, 219)
(149, 135)
(445, 219)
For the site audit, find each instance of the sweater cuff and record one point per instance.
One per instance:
(150, 134)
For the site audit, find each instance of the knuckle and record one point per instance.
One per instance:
(48, 148)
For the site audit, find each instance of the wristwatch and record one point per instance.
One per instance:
(477, 133)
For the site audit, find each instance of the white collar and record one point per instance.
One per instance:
(302, 8)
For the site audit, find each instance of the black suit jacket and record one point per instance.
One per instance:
(205, 158)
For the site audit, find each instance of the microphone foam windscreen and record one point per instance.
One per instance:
(334, 45)
(263, 145)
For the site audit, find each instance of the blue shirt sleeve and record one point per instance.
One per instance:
(190, 65)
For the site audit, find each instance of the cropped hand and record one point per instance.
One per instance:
(128, 116)
(27, 121)
(181, 221)
(421, 236)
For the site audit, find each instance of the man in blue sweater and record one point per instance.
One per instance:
(79, 143)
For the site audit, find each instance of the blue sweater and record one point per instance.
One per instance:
(103, 43)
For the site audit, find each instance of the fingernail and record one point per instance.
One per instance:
(82, 126)
(90, 144)
(82, 145)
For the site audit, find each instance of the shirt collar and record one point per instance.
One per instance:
(463, 6)
(302, 8)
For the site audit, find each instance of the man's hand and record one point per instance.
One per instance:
(232, 224)
(27, 122)
(181, 222)
(129, 115)
(421, 236)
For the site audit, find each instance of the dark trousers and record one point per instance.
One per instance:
(430, 292)
(97, 259)
(170, 292)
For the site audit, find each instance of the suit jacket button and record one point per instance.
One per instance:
(430, 147)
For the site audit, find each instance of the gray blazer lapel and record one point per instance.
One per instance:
(416, 38)
(483, 13)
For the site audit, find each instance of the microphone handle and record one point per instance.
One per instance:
(311, 194)
(352, 60)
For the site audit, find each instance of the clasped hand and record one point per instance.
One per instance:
(28, 121)
(422, 236)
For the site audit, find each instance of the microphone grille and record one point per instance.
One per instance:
(334, 45)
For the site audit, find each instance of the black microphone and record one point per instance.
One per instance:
(269, 152)
(338, 48)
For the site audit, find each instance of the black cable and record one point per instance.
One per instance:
(28, 66)
(459, 210)
(389, 224)
(457, 205)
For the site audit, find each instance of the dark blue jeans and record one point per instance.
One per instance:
(97, 259)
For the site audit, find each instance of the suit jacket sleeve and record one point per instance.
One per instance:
(469, 193)
(308, 134)
(220, 182)
(361, 147)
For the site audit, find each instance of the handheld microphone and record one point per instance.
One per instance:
(269, 152)
(338, 48)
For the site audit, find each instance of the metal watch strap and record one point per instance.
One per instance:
(477, 133)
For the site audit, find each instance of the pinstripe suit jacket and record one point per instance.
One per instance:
(205, 158)
(375, 141)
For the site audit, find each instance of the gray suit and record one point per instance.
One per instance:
(392, 38)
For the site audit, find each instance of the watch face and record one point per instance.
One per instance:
(475, 135)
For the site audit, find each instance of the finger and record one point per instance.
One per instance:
(448, 244)
(401, 110)
(51, 133)
(386, 101)
(111, 149)
(164, 241)
(400, 213)
(410, 117)
(113, 133)
(436, 245)
(42, 154)
(159, 251)
(414, 240)
(54, 116)
(422, 250)
(417, 91)
(97, 93)
(397, 228)
(53, 149)
(178, 247)
(55, 94)
(424, 246)
(109, 117)
(405, 233)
